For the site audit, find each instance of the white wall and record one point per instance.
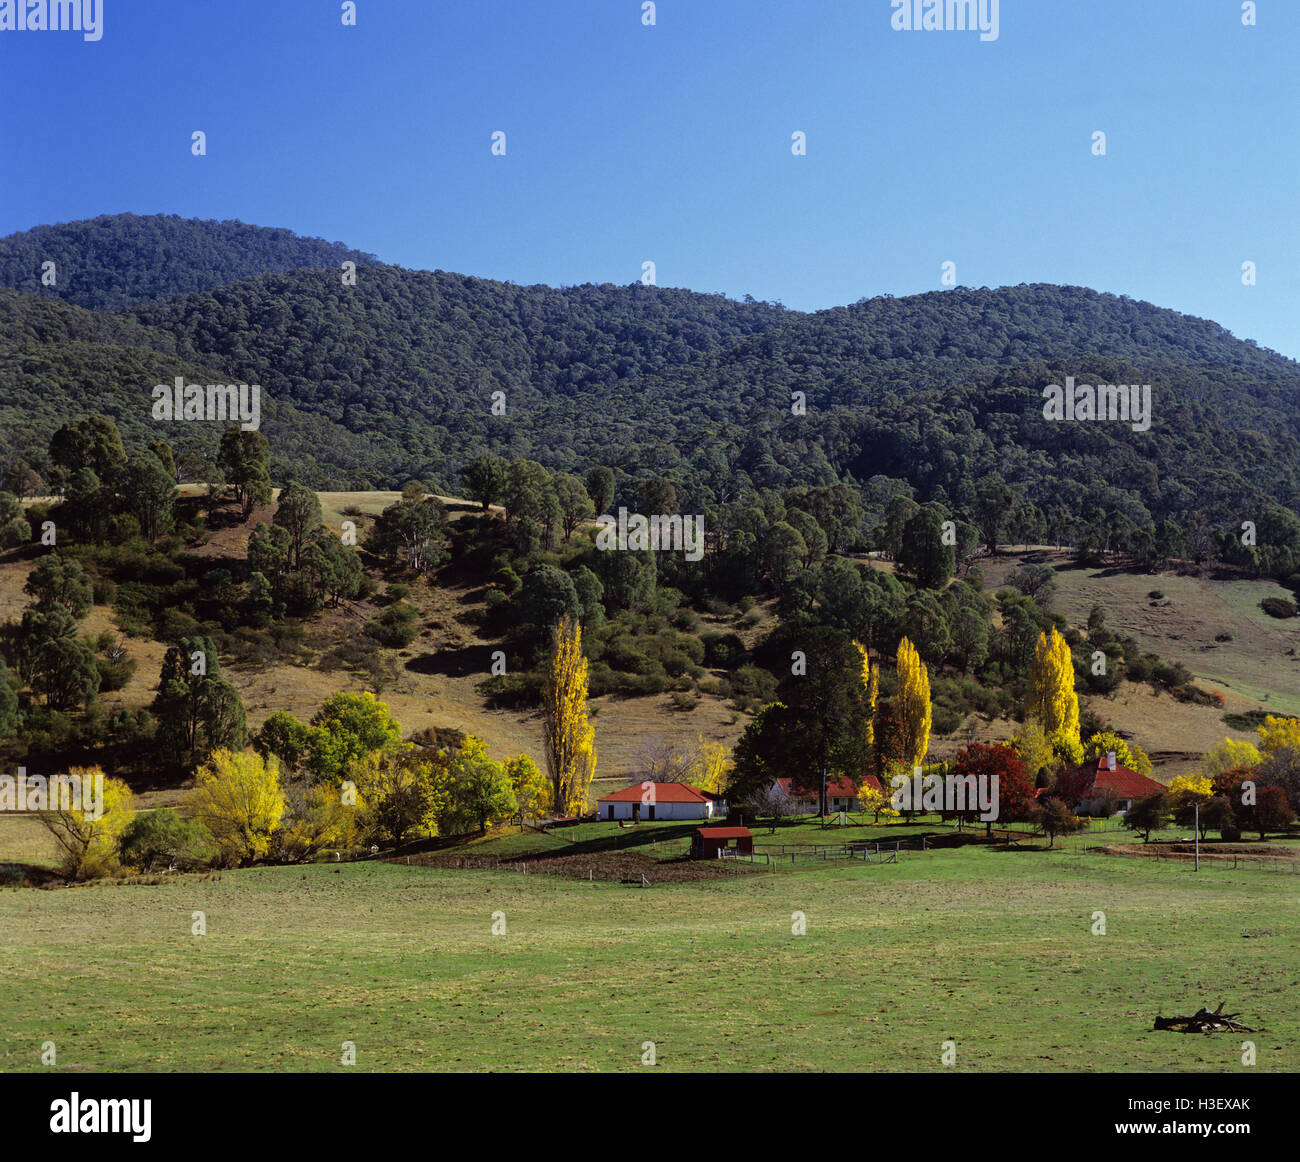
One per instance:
(662, 810)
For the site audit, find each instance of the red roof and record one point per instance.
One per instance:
(724, 833)
(655, 793)
(1124, 781)
(841, 788)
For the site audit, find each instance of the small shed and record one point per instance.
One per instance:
(711, 842)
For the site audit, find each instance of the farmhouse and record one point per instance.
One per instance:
(711, 842)
(1127, 784)
(647, 801)
(841, 794)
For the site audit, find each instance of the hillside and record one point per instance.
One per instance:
(929, 393)
(115, 260)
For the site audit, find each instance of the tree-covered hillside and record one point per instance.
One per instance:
(115, 260)
(932, 396)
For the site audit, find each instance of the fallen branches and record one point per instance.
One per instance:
(1204, 1021)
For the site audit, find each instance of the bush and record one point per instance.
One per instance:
(1278, 607)
(396, 626)
(163, 838)
(1156, 594)
(11, 875)
(723, 651)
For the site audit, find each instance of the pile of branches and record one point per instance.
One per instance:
(1204, 1021)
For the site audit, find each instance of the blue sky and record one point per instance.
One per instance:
(672, 143)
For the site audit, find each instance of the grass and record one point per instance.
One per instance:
(991, 949)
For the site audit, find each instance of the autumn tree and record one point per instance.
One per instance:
(1127, 754)
(912, 704)
(1050, 698)
(87, 830)
(567, 733)
(238, 797)
(1014, 801)
(531, 790)
(871, 689)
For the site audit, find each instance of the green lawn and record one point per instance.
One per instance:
(990, 949)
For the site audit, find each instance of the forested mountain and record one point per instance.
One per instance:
(926, 395)
(115, 260)
(59, 362)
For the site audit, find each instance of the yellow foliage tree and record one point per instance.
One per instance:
(1279, 734)
(708, 766)
(1191, 787)
(1127, 754)
(1035, 748)
(912, 704)
(1228, 755)
(871, 683)
(1050, 698)
(532, 791)
(87, 829)
(239, 798)
(876, 802)
(567, 734)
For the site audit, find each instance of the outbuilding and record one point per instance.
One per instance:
(650, 801)
(711, 842)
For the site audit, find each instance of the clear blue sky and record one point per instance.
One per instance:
(671, 143)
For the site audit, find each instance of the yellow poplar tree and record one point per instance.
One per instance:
(1050, 698)
(912, 703)
(568, 736)
(238, 796)
(871, 682)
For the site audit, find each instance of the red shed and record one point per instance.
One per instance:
(711, 842)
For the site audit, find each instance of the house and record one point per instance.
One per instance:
(711, 842)
(647, 801)
(1127, 784)
(841, 794)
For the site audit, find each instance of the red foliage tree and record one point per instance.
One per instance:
(1015, 797)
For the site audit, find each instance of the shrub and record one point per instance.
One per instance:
(723, 651)
(164, 838)
(1278, 607)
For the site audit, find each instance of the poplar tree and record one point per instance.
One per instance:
(1050, 698)
(871, 683)
(568, 736)
(912, 703)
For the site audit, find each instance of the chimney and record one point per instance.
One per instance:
(1110, 760)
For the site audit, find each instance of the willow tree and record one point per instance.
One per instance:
(568, 736)
(1050, 698)
(912, 704)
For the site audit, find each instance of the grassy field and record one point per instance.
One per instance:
(991, 949)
